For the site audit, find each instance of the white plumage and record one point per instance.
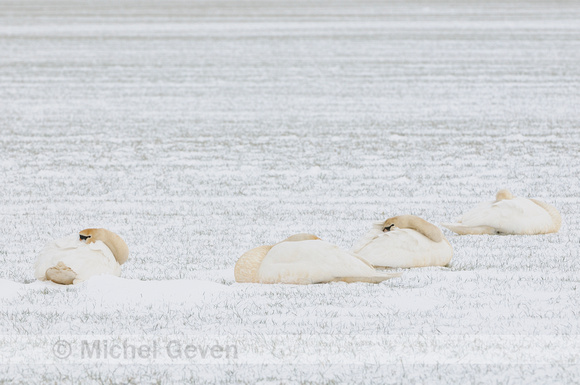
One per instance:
(402, 247)
(509, 215)
(78, 257)
(305, 259)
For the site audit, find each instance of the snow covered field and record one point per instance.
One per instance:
(198, 130)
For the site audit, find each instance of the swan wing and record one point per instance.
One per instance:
(510, 216)
(375, 232)
(315, 261)
(406, 248)
(86, 260)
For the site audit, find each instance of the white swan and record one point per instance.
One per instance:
(509, 215)
(404, 241)
(77, 257)
(304, 259)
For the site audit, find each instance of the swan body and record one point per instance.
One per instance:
(305, 259)
(78, 257)
(509, 215)
(405, 241)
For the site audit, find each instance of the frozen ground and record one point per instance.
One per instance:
(198, 130)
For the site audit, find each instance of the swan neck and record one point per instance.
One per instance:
(248, 265)
(427, 229)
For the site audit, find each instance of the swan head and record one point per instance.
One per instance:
(390, 224)
(301, 237)
(114, 242)
(415, 223)
(401, 222)
(503, 194)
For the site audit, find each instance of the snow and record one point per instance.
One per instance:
(9, 289)
(198, 131)
(108, 289)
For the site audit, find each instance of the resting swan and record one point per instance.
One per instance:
(509, 215)
(304, 259)
(78, 257)
(404, 241)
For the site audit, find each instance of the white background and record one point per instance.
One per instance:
(198, 130)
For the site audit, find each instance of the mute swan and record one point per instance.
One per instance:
(404, 241)
(304, 259)
(77, 257)
(509, 215)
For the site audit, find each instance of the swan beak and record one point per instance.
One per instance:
(84, 237)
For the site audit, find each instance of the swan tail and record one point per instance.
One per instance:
(469, 230)
(61, 274)
(376, 278)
